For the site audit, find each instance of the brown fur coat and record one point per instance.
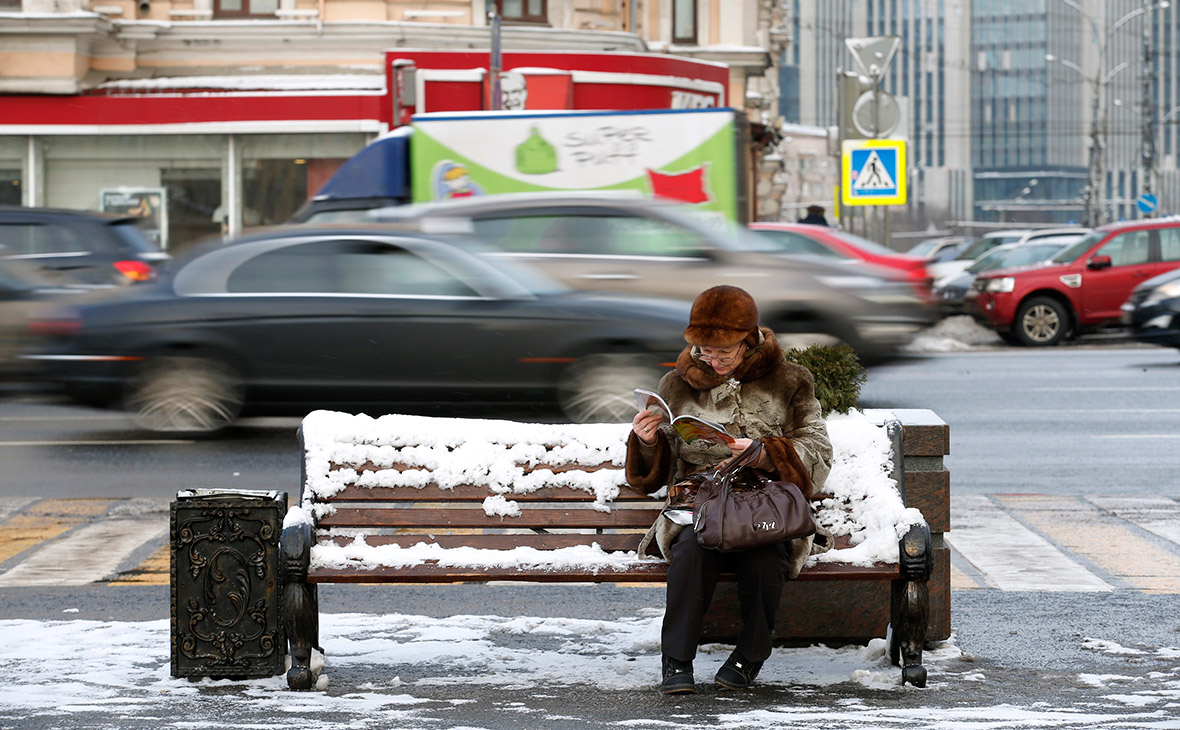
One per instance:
(765, 398)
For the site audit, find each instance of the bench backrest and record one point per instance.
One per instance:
(414, 485)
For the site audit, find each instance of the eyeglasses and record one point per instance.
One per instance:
(718, 359)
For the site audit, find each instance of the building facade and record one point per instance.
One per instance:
(1013, 104)
(229, 113)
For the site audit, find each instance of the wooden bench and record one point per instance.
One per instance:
(409, 499)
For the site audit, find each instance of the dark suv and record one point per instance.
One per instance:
(80, 247)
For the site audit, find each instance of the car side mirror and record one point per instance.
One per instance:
(1098, 262)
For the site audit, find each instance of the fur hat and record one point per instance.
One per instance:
(722, 316)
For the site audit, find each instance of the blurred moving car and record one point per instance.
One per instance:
(1153, 310)
(80, 247)
(943, 270)
(643, 247)
(801, 238)
(940, 249)
(22, 291)
(1082, 288)
(952, 292)
(284, 321)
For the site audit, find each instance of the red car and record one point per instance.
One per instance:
(1080, 289)
(804, 238)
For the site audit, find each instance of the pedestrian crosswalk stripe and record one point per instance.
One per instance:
(1101, 538)
(45, 520)
(89, 554)
(1157, 515)
(1013, 557)
(12, 505)
(153, 571)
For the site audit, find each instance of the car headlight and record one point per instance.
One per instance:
(1171, 290)
(1002, 284)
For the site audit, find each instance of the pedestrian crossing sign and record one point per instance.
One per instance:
(873, 172)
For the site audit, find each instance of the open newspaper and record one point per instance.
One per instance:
(689, 427)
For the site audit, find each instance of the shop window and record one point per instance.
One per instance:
(244, 8)
(194, 205)
(273, 190)
(10, 187)
(523, 11)
(684, 21)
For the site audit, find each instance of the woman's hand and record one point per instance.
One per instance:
(739, 445)
(645, 424)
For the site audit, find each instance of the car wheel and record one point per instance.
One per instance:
(599, 388)
(1041, 321)
(185, 395)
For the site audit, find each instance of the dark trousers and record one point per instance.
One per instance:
(692, 576)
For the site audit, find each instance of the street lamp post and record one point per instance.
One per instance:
(1092, 195)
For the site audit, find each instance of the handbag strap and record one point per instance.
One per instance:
(749, 457)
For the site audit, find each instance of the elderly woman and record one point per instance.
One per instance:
(733, 373)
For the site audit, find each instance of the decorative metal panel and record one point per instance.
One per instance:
(226, 583)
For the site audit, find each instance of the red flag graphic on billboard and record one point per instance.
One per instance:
(687, 187)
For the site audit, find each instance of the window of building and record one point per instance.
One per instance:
(684, 21)
(523, 11)
(10, 187)
(244, 8)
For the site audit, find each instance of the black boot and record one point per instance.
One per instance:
(737, 672)
(677, 677)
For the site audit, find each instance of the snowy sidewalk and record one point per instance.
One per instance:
(469, 671)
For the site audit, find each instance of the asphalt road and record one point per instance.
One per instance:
(1065, 420)
(1062, 420)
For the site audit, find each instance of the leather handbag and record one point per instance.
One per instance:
(739, 507)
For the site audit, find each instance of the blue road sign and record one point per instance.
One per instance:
(874, 172)
(1146, 203)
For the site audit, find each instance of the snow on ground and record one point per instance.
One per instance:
(954, 334)
(415, 669)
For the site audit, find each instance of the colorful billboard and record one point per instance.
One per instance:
(683, 155)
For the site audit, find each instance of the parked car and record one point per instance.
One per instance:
(946, 269)
(1082, 288)
(643, 247)
(952, 292)
(940, 249)
(80, 247)
(359, 319)
(802, 238)
(1153, 310)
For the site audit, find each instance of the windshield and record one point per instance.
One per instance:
(1071, 253)
(983, 245)
(977, 249)
(925, 248)
(988, 261)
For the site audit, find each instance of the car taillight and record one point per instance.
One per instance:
(136, 270)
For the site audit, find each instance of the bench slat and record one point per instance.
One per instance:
(428, 517)
(639, 572)
(541, 541)
(472, 493)
(369, 466)
(609, 542)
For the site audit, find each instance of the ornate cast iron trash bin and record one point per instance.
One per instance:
(227, 583)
